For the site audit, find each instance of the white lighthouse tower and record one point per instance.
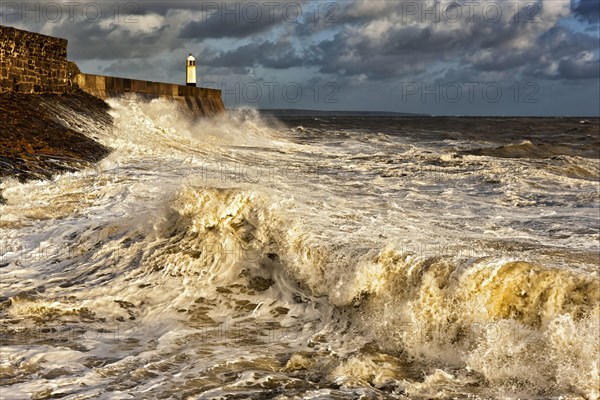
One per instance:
(191, 71)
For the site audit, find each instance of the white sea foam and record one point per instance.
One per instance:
(235, 255)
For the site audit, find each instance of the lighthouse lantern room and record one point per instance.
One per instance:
(191, 71)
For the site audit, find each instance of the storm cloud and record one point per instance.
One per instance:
(587, 10)
(239, 19)
(354, 44)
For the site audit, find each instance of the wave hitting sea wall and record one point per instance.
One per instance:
(199, 101)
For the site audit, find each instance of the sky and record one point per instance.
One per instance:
(439, 57)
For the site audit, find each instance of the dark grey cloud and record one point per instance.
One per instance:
(111, 42)
(385, 43)
(582, 67)
(215, 27)
(236, 19)
(551, 47)
(162, 7)
(279, 55)
(156, 69)
(335, 56)
(586, 10)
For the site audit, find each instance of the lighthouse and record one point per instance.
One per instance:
(190, 71)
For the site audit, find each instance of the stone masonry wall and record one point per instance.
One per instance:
(30, 62)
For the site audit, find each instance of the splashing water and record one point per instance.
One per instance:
(237, 257)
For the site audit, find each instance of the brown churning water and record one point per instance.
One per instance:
(243, 257)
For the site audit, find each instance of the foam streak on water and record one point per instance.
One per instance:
(240, 258)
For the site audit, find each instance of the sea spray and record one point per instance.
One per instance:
(370, 259)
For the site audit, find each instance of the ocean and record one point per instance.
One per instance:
(249, 257)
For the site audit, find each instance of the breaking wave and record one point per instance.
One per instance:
(527, 149)
(192, 227)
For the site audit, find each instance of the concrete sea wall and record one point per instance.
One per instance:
(35, 63)
(199, 101)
